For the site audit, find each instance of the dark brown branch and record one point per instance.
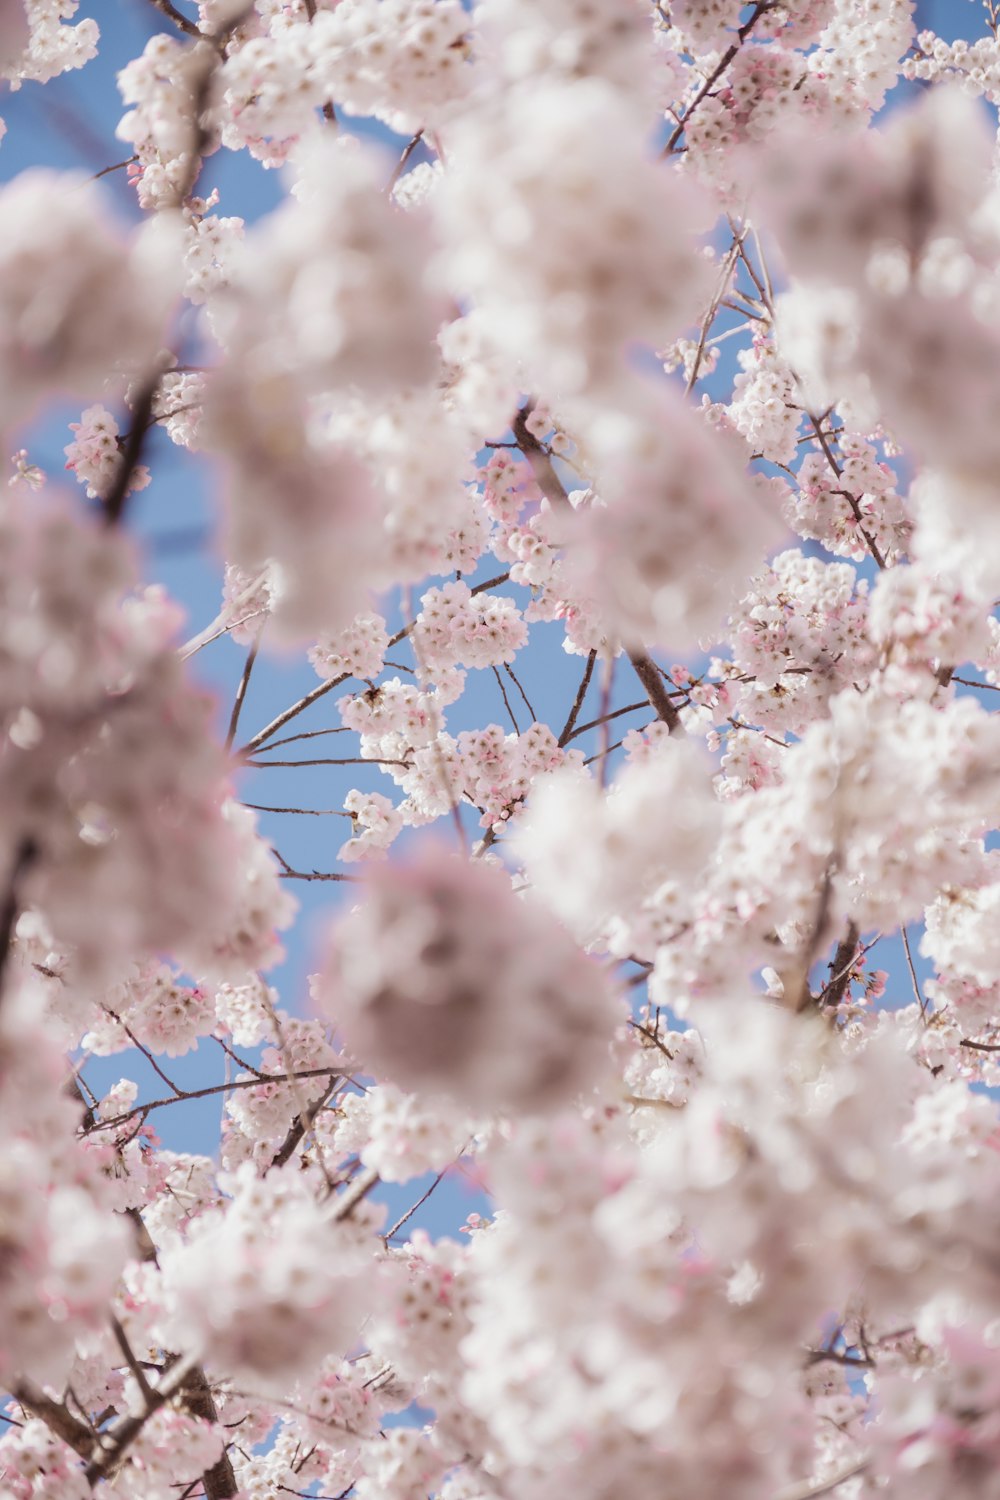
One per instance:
(836, 987)
(400, 167)
(115, 167)
(546, 478)
(166, 8)
(350, 760)
(817, 426)
(645, 1031)
(142, 411)
(219, 1480)
(913, 974)
(717, 72)
(303, 703)
(506, 701)
(138, 1372)
(54, 1415)
(25, 857)
(391, 1233)
(147, 1054)
(241, 692)
(259, 1081)
(325, 687)
(527, 701)
(607, 749)
(817, 1356)
(581, 693)
(308, 734)
(301, 1124)
(310, 812)
(125, 1432)
(648, 674)
(349, 1199)
(630, 708)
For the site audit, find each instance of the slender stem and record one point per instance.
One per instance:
(527, 701)
(400, 167)
(349, 760)
(506, 701)
(205, 1093)
(308, 812)
(391, 1233)
(717, 72)
(630, 708)
(130, 1359)
(325, 687)
(116, 167)
(581, 693)
(241, 691)
(913, 974)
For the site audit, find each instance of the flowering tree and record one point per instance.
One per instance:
(663, 334)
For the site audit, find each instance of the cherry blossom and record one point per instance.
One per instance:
(499, 757)
(433, 1011)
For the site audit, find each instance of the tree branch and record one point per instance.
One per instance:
(546, 478)
(25, 857)
(840, 969)
(648, 674)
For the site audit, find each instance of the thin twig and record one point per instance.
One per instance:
(203, 1093)
(527, 701)
(308, 812)
(130, 1359)
(307, 734)
(717, 72)
(147, 1054)
(241, 691)
(325, 687)
(581, 693)
(506, 701)
(116, 167)
(913, 974)
(713, 311)
(391, 1233)
(349, 760)
(630, 708)
(400, 167)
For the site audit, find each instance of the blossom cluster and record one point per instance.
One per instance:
(600, 487)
